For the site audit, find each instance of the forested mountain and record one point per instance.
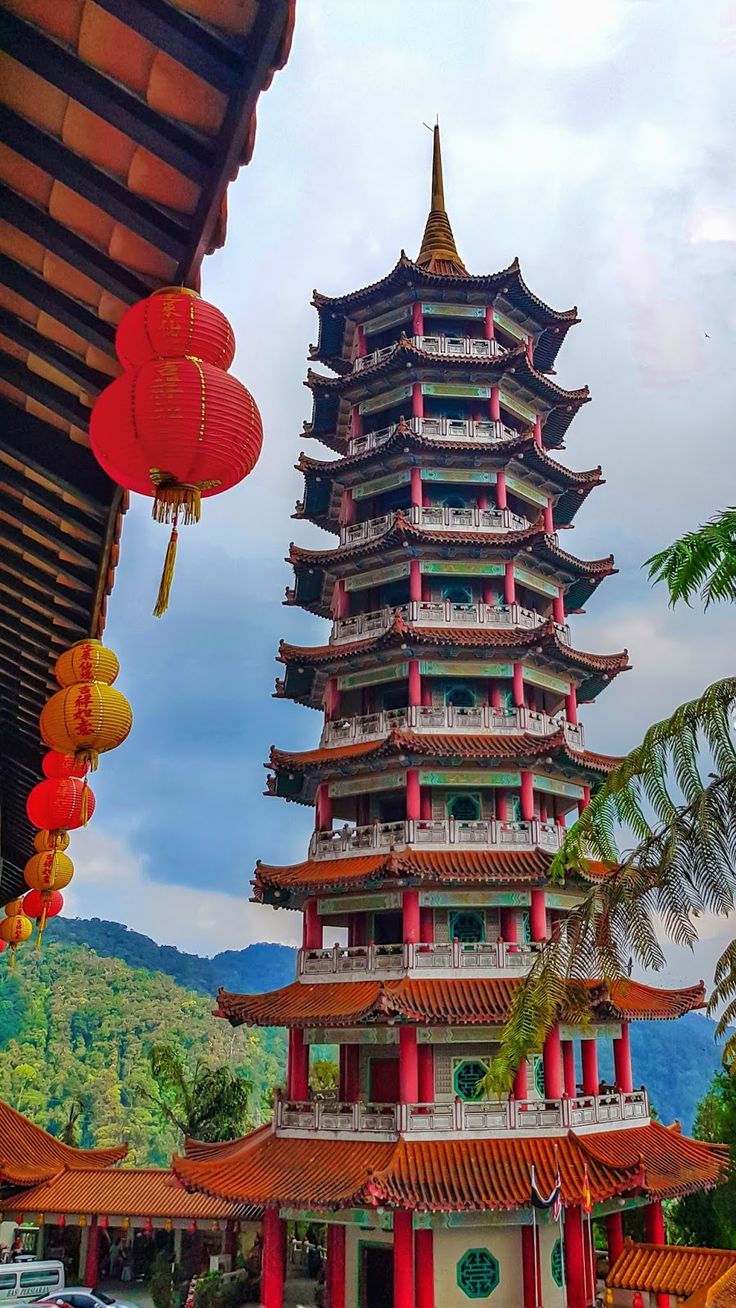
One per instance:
(77, 1019)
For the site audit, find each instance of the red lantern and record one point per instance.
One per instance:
(3, 946)
(174, 323)
(61, 1220)
(148, 1226)
(38, 904)
(192, 1227)
(56, 765)
(103, 1222)
(67, 802)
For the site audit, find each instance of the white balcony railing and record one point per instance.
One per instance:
(482, 1117)
(448, 718)
(443, 613)
(452, 347)
(436, 518)
(440, 833)
(472, 431)
(361, 961)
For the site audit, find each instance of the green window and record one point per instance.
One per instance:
(467, 1077)
(478, 1273)
(538, 1075)
(457, 594)
(468, 927)
(557, 1261)
(526, 928)
(460, 697)
(464, 808)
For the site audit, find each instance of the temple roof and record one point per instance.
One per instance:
(669, 1269)
(442, 1175)
(29, 1154)
(439, 252)
(459, 1000)
(721, 1294)
(126, 1192)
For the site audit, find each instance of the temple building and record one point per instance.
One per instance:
(451, 761)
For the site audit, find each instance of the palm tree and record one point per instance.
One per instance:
(69, 1133)
(657, 843)
(204, 1103)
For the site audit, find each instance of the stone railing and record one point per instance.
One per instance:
(442, 833)
(448, 718)
(467, 347)
(435, 518)
(442, 613)
(361, 961)
(473, 431)
(482, 1117)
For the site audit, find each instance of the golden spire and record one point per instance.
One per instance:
(439, 252)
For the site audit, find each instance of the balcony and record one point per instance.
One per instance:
(438, 834)
(447, 718)
(451, 347)
(439, 958)
(435, 518)
(442, 613)
(471, 431)
(480, 1118)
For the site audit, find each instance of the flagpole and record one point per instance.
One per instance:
(562, 1261)
(591, 1263)
(535, 1250)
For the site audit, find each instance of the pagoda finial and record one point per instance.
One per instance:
(439, 252)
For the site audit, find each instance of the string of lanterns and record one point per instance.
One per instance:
(85, 718)
(176, 425)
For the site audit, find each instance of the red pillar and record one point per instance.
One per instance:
(527, 791)
(531, 1267)
(340, 601)
(538, 431)
(530, 349)
(412, 795)
(494, 404)
(424, 1267)
(614, 1236)
(518, 685)
(92, 1264)
(273, 1259)
(509, 583)
(347, 509)
(521, 1086)
(568, 1068)
(571, 705)
(654, 1223)
(425, 804)
(501, 497)
(538, 915)
(575, 1258)
(312, 928)
(558, 608)
(349, 1090)
(323, 807)
(589, 1052)
(509, 926)
(335, 1273)
(415, 684)
(552, 1057)
(332, 699)
(425, 1074)
(356, 422)
(403, 1259)
(417, 401)
(415, 580)
(410, 914)
(490, 329)
(549, 522)
(417, 319)
(298, 1073)
(408, 1065)
(426, 924)
(622, 1060)
(361, 346)
(416, 488)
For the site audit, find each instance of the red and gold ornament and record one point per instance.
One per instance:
(63, 802)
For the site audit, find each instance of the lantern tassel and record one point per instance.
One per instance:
(84, 804)
(167, 576)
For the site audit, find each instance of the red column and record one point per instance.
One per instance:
(568, 1068)
(571, 705)
(538, 915)
(412, 795)
(584, 802)
(425, 1074)
(340, 602)
(509, 583)
(332, 699)
(654, 1224)
(552, 1057)
(312, 928)
(426, 693)
(521, 1086)
(530, 349)
(92, 1263)
(426, 925)
(549, 524)
(324, 807)
(347, 509)
(408, 1065)
(509, 926)
(538, 432)
(501, 496)
(531, 1267)
(298, 1076)
(349, 1073)
(361, 347)
(425, 803)
(415, 580)
(589, 1058)
(415, 684)
(416, 488)
(494, 404)
(335, 1272)
(575, 1258)
(558, 608)
(494, 694)
(517, 685)
(417, 319)
(403, 1259)
(273, 1259)
(424, 1268)
(410, 912)
(614, 1236)
(622, 1060)
(356, 422)
(527, 787)
(417, 401)
(490, 329)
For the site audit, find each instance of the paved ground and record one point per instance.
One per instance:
(130, 1292)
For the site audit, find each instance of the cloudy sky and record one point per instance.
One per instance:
(594, 141)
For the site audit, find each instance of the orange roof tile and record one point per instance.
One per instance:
(669, 1269)
(29, 1154)
(443, 1174)
(128, 1191)
(721, 1294)
(457, 999)
(487, 866)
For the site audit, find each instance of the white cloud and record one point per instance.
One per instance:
(712, 223)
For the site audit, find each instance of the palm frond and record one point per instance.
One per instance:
(701, 561)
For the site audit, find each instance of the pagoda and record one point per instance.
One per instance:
(450, 764)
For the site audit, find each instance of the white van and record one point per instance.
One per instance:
(30, 1280)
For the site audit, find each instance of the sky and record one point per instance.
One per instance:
(594, 141)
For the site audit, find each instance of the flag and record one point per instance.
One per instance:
(545, 1201)
(557, 1201)
(587, 1196)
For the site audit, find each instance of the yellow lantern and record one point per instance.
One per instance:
(15, 929)
(86, 719)
(51, 870)
(14, 907)
(87, 660)
(45, 840)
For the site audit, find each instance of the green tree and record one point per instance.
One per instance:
(204, 1103)
(709, 1217)
(677, 858)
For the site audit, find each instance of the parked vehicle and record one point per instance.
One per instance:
(29, 1280)
(80, 1296)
